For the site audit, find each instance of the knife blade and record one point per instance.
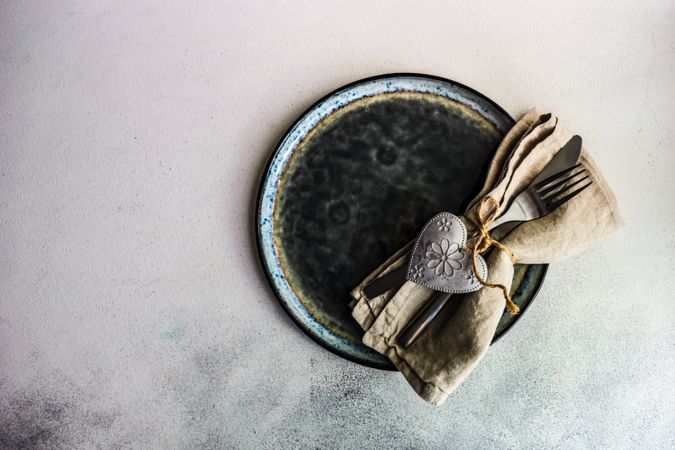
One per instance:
(566, 157)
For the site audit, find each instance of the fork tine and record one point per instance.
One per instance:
(564, 190)
(555, 176)
(553, 187)
(561, 201)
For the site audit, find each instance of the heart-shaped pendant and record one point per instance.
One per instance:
(439, 261)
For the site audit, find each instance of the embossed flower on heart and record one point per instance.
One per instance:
(418, 271)
(444, 257)
(444, 224)
(470, 276)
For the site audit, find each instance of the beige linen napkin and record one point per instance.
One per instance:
(453, 344)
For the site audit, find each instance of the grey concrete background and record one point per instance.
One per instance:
(133, 311)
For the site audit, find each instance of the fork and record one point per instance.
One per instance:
(537, 200)
(543, 197)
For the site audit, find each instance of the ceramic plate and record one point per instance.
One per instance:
(355, 178)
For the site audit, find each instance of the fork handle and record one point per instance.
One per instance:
(514, 213)
(422, 319)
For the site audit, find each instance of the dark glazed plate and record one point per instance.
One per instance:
(355, 178)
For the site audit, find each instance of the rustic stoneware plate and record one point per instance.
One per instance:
(355, 178)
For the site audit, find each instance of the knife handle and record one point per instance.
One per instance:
(386, 282)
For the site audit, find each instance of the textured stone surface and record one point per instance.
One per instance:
(133, 311)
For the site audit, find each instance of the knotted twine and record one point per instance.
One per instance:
(483, 241)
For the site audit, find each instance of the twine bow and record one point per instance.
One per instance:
(483, 241)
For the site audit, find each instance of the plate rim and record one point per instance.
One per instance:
(261, 189)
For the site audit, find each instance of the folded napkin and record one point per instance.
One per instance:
(453, 344)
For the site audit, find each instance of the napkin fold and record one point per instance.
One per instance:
(455, 342)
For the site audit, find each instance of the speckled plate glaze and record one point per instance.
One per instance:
(355, 178)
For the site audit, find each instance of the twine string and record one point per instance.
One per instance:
(483, 241)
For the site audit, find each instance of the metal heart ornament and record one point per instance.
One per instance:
(439, 261)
